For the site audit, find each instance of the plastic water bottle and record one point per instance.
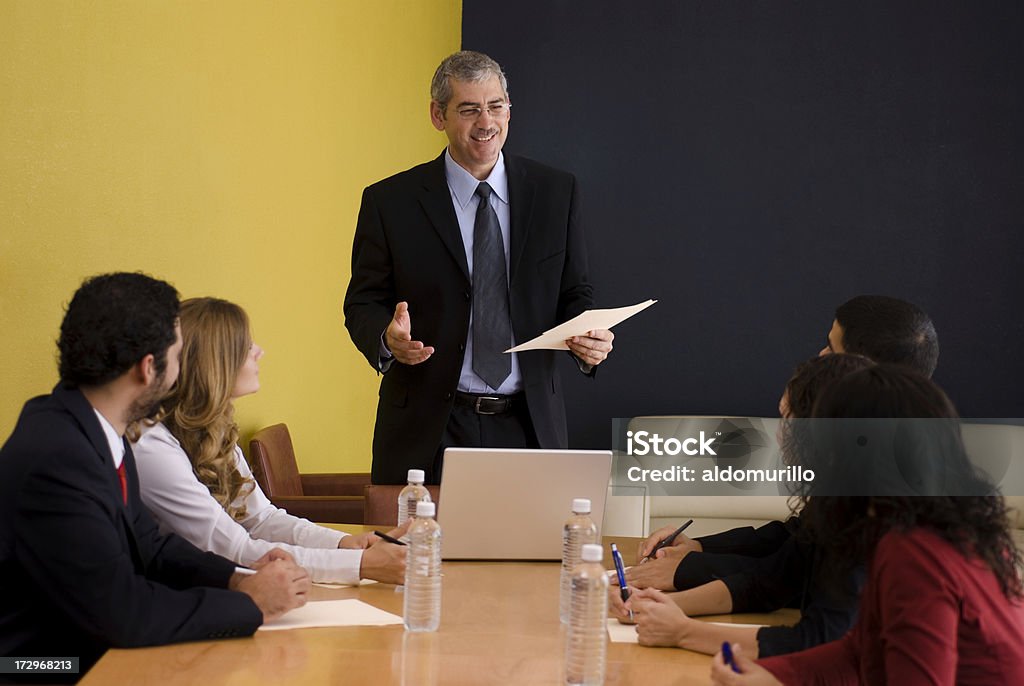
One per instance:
(421, 659)
(422, 608)
(579, 530)
(587, 637)
(413, 493)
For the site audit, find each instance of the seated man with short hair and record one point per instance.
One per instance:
(885, 329)
(82, 565)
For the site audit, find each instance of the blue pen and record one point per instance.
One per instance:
(623, 591)
(729, 659)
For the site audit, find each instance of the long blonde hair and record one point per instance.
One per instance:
(198, 411)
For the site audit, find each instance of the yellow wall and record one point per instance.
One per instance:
(222, 146)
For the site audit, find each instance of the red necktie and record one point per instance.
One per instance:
(124, 482)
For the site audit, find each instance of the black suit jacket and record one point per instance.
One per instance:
(408, 247)
(79, 570)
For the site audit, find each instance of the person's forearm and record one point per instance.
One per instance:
(234, 580)
(712, 598)
(707, 638)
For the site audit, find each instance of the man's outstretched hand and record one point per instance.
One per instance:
(398, 338)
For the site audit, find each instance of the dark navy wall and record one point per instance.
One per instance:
(754, 164)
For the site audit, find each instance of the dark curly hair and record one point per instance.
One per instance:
(847, 528)
(112, 322)
(889, 330)
(809, 379)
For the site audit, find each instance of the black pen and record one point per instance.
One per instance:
(668, 541)
(387, 538)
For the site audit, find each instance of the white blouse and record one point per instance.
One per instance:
(182, 504)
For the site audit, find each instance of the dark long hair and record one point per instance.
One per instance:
(848, 527)
(813, 376)
(809, 379)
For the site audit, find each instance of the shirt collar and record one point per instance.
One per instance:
(463, 184)
(115, 441)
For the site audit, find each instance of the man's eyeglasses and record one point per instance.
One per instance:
(495, 109)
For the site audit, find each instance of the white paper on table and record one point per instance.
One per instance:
(350, 612)
(626, 633)
(621, 633)
(554, 339)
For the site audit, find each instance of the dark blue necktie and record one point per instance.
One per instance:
(492, 326)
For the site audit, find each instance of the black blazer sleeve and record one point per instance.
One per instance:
(789, 578)
(170, 559)
(746, 540)
(576, 294)
(370, 300)
(71, 539)
(732, 552)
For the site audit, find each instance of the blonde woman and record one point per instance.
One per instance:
(196, 482)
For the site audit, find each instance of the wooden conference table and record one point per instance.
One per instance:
(499, 625)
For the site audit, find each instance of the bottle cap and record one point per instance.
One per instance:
(592, 552)
(416, 476)
(425, 508)
(581, 505)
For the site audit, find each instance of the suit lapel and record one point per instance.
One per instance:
(520, 200)
(436, 199)
(83, 413)
(127, 512)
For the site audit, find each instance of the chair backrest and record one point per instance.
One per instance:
(381, 503)
(273, 462)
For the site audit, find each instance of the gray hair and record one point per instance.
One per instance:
(464, 65)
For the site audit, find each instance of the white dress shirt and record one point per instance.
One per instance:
(462, 186)
(182, 504)
(115, 442)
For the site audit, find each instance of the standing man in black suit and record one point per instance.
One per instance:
(82, 564)
(455, 261)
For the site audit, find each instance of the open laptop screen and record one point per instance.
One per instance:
(510, 504)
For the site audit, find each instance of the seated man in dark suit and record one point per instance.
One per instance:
(82, 565)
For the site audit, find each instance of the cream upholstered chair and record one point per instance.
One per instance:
(998, 448)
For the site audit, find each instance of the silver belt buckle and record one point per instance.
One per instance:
(478, 405)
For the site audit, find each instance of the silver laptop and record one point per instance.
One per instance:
(536, 490)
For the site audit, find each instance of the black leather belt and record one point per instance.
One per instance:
(485, 404)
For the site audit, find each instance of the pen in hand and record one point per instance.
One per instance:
(669, 540)
(387, 538)
(728, 658)
(621, 573)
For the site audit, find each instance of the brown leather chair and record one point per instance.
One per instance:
(336, 498)
(382, 503)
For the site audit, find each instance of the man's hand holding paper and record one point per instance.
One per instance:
(592, 348)
(588, 335)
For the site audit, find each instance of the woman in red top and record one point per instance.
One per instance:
(943, 601)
